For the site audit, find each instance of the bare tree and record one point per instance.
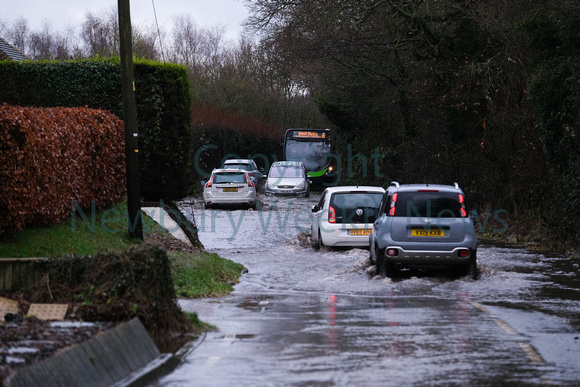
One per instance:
(144, 43)
(101, 34)
(42, 42)
(187, 40)
(4, 28)
(20, 34)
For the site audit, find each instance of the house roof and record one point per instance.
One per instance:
(10, 53)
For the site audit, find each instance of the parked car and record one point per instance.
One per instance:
(423, 225)
(344, 216)
(249, 166)
(230, 187)
(287, 178)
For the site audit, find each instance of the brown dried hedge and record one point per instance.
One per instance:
(52, 157)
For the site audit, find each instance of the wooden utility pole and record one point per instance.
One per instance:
(130, 121)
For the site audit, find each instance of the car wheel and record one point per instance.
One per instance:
(373, 255)
(320, 242)
(380, 260)
(470, 268)
(315, 242)
(390, 270)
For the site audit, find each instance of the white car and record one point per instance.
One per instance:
(229, 186)
(344, 216)
(288, 178)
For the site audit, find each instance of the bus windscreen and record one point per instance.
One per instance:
(315, 155)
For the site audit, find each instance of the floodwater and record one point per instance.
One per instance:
(306, 317)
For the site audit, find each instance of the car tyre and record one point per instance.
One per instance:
(380, 259)
(389, 269)
(315, 241)
(470, 268)
(373, 255)
(320, 242)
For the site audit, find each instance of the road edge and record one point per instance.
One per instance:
(115, 357)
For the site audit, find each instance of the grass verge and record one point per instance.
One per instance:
(196, 273)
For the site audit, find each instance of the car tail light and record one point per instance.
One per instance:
(464, 253)
(209, 183)
(394, 201)
(331, 215)
(462, 202)
(249, 181)
(392, 252)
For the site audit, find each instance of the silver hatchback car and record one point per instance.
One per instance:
(423, 225)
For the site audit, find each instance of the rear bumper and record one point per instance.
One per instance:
(210, 199)
(346, 241)
(339, 235)
(427, 257)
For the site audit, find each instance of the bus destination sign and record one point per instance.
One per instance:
(310, 135)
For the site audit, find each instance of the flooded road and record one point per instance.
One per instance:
(306, 317)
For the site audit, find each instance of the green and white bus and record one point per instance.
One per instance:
(314, 148)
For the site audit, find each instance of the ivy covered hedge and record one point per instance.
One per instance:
(51, 157)
(163, 108)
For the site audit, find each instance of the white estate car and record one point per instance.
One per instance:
(229, 186)
(344, 216)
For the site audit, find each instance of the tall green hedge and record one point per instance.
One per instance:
(163, 108)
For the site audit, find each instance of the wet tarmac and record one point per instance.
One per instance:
(306, 317)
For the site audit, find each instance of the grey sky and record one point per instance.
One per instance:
(62, 13)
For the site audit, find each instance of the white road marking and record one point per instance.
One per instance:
(480, 307)
(505, 326)
(532, 354)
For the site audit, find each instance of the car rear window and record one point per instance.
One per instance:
(346, 205)
(229, 177)
(428, 205)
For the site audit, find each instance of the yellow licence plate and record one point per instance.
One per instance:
(231, 189)
(359, 232)
(434, 232)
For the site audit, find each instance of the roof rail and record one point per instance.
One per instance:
(456, 185)
(395, 183)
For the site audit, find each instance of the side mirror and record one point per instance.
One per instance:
(261, 169)
(315, 208)
(203, 182)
